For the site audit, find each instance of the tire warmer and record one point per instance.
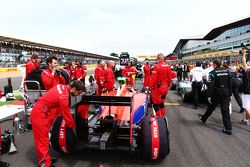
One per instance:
(63, 136)
(155, 138)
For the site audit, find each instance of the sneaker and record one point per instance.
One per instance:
(201, 118)
(244, 122)
(227, 131)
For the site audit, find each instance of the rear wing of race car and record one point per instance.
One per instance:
(107, 100)
(111, 101)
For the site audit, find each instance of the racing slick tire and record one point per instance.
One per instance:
(35, 75)
(173, 86)
(155, 143)
(69, 137)
(186, 96)
(65, 75)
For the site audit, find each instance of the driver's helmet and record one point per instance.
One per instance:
(121, 80)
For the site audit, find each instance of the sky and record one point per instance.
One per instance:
(139, 27)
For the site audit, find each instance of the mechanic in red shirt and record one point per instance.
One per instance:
(73, 70)
(160, 81)
(80, 72)
(56, 99)
(146, 70)
(51, 77)
(110, 77)
(128, 72)
(32, 64)
(67, 68)
(99, 76)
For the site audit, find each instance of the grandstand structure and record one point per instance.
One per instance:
(223, 42)
(16, 51)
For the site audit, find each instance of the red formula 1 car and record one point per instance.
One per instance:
(122, 122)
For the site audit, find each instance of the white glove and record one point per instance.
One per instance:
(209, 100)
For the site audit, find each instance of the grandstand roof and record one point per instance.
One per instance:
(214, 32)
(50, 47)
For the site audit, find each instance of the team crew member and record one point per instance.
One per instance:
(246, 88)
(179, 70)
(80, 72)
(100, 76)
(219, 92)
(51, 77)
(67, 68)
(110, 77)
(73, 70)
(55, 99)
(146, 70)
(196, 75)
(32, 64)
(160, 81)
(207, 71)
(129, 72)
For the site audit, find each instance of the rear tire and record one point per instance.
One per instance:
(187, 96)
(147, 138)
(70, 137)
(65, 75)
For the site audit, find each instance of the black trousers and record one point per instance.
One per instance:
(235, 91)
(179, 76)
(224, 105)
(185, 75)
(196, 91)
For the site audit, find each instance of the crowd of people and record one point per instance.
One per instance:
(221, 81)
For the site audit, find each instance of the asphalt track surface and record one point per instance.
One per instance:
(192, 144)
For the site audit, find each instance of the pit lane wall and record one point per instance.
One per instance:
(16, 69)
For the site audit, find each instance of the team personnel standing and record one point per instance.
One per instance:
(80, 72)
(235, 87)
(129, 72)
(67, 68)
(73, 70)
(110, 77)
(55, 99)
(99, 76)
(32, 64)
(246, 88)
(146, 70)
(219, 92)
(51, 77)
(159, 83)
(179, 70)
(207, 71)
(196, 75)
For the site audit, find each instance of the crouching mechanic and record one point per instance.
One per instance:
(159, 82)
(55, 100)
